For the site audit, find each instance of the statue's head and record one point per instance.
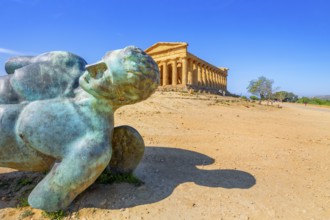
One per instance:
(123, 76)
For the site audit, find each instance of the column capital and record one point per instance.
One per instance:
(174, 60)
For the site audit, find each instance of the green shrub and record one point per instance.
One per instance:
(254, 98)
(25, 214)
(54, 215)
(313, 101)
(107, 177)
(23, 202)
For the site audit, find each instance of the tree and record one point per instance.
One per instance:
(291, 97)
(284, 96)
(280, 96)
(261, 87)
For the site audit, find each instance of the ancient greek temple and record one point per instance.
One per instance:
(179, 68)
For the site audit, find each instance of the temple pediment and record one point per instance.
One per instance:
(165, 46)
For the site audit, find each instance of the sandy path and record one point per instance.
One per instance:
(210, 157)
(307, 107)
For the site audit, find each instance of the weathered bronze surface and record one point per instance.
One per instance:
(56, 113)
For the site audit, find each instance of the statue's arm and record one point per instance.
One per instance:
(78, 169)
(15, 63)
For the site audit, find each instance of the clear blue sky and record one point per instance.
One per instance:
(285, 40)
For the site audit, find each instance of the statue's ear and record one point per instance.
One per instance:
(96, 67)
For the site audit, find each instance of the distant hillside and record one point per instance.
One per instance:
(324, 97)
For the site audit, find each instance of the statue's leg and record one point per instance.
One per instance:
(79, 169)
(128, 149)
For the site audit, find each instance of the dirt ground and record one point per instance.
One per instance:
(207, 157)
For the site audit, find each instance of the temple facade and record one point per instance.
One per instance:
(179, 68)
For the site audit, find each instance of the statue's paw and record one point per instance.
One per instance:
(128, 149)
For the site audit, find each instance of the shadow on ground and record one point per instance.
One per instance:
(162, 169)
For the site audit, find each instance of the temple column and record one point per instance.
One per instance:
(190, 75)
(194, 74)
(225, 83)
(221, 81)
(216, 80)
(212, 78)
(203, 75)
(165, 74)
(174, 73)
(220, 85)
(207, 74)
(199, 75)
(184, 71)
(159, 64)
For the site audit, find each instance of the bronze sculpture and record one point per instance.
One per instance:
(57, 112)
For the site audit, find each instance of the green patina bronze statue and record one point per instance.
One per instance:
(56, 113)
